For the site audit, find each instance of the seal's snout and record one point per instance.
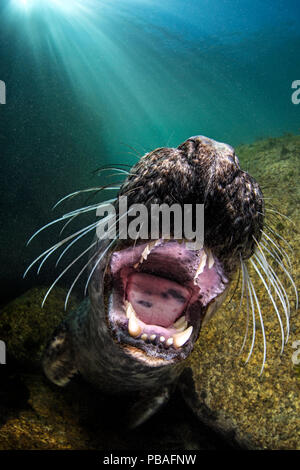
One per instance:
(200, 144)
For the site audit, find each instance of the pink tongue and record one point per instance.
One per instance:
(156, 301)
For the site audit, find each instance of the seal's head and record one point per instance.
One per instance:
(158, 291)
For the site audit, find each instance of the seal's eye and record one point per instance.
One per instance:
(160, 294)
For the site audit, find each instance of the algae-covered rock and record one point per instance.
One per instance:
(259, 411)
(25, 326)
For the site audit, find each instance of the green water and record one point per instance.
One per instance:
(97, 81)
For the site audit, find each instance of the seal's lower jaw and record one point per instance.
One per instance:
(160, 292)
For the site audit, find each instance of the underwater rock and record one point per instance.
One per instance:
(259, 412)
(25, 326)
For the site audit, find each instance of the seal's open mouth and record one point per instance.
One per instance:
(159, 296)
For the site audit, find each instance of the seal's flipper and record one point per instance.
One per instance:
(59, 359)
(147, 406)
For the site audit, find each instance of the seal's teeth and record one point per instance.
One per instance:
(179, 322)
(169, 341)
(181, 338)
(201, 266)
(133, 326)
(129, 310)
(146, 252)
(210, 260)
(162, 339)
(144, 337)
(152, 337)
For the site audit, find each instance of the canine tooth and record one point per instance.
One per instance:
(133, 326)
(169, 341)
(162, 339)
(144, 337)
(152, 337)
(181, 338)
(201, 265)
(211, 260)
(146, 252)
(129, 310)
(179, 322)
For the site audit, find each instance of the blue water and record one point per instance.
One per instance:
(98, 81)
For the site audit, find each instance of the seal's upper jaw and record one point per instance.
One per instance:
(160, 292)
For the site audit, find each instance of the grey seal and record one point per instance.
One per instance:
(148, 299)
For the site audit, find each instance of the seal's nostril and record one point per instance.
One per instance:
(201, 138)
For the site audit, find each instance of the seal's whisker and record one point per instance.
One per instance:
(89, 208)
(46, 257)
(120, 170)
(81, 191)
(131, 190)
(85, 230)
(281, 292)
(89, 261)
(57, 245)
(136, 152)
(278, 236)
(67, 223)
(232, 296)
(243, 285)
(96, 264)
(247, 301)
(281, 215)
(76, 215)
(76, 279)
(53, 248)
(261, 323)
(278, 261)
(265, 261)
(83, 269)
(277, 248)
(70, 214)
(89, 228)
(65, 270)
(116, 165)
(98, 261)
(270, 296)
(253, 313)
